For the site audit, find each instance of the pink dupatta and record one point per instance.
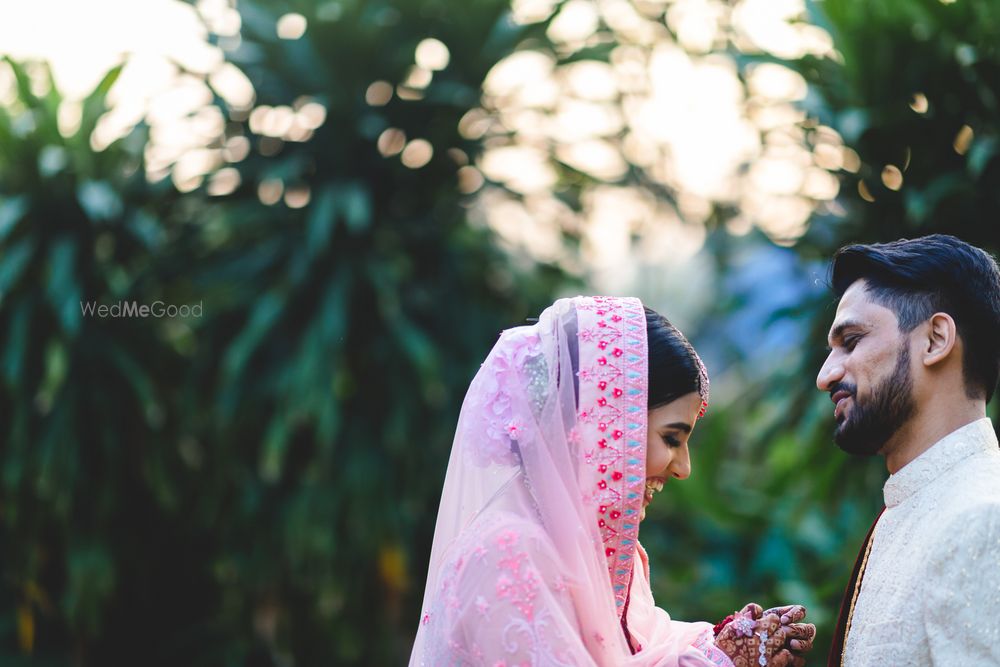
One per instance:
(535, 555)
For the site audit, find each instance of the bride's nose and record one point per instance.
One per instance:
(680, 465)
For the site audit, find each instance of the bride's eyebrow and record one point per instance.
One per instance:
(680, 426)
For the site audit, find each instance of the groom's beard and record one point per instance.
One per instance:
(870, 424)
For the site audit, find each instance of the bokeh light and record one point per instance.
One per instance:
(670, 112)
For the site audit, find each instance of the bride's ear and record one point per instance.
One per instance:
(940, 340)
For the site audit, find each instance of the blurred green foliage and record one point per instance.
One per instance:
(257, 485)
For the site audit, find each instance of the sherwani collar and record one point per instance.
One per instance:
(943, 455)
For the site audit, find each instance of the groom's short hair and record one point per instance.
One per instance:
(916, 278)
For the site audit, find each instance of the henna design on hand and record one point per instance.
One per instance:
(778, 640)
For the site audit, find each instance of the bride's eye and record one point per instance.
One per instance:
(671, 441)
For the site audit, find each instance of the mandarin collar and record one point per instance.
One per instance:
(943, 455)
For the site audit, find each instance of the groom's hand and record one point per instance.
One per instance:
(792, 613)
(786, 658)
(798, 636)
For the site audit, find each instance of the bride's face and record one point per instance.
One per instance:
(667, 454)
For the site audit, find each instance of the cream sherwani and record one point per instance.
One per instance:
(930, 594)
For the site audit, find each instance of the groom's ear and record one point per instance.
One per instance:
(941, 335)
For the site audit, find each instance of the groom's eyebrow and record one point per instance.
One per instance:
(837, 332)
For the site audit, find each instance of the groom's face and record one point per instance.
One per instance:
(867, 373)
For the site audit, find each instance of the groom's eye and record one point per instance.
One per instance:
(851, 342)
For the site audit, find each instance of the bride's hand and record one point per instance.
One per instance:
(754, 635)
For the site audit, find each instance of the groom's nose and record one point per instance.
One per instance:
(831, 372)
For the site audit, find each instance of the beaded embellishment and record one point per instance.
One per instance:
(702, 386)
(743, 624)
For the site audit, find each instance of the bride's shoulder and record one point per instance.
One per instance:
(500, 535)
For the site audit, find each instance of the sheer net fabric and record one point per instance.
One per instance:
(535, 556)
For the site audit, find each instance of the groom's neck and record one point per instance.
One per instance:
(936, 418)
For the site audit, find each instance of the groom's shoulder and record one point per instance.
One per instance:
(972, 531)
(966, 515)
(974, 495)
(977, 478)
(973, 490)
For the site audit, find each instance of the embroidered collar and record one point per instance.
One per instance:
(943, 455)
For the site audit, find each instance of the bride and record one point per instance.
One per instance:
(568, 430)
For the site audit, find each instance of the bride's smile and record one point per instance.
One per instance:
(651, 488)
(653, 485)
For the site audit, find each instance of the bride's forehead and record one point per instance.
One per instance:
(682, 409)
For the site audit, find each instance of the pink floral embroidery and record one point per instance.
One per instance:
(492, 398)
(612, 425)
(507, 539)
(512, 561)
(605, 336)
(521, 586)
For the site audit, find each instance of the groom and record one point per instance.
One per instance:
(915, 354)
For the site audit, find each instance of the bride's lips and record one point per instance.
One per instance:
(838, 398)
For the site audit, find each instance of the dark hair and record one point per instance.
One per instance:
(916, 278)
(674, 366)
